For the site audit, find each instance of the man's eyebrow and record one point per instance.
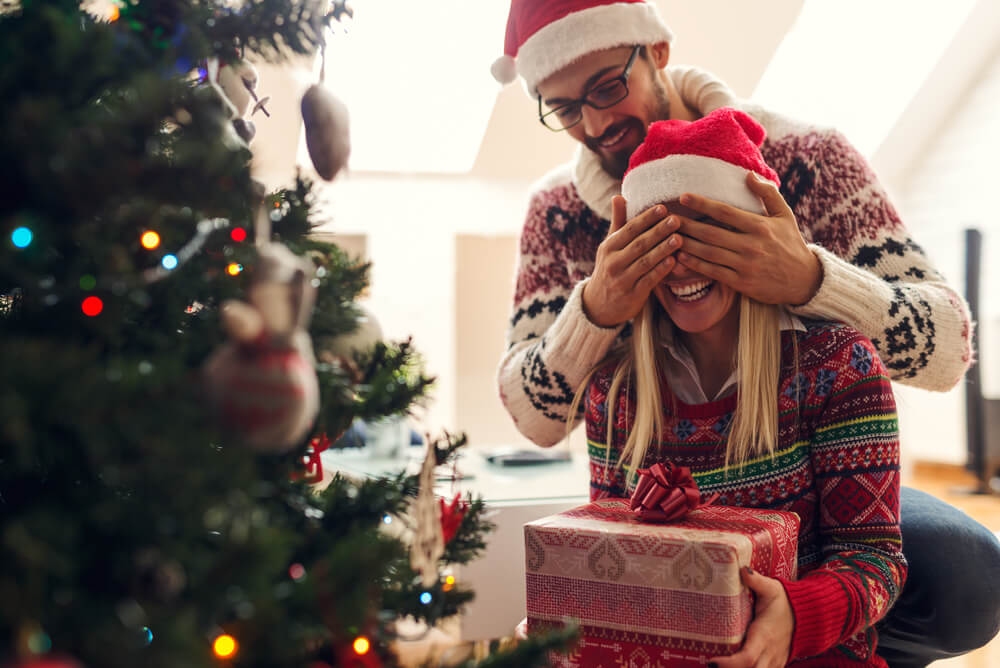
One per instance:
(594, 78)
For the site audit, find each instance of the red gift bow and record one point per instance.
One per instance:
(666, 493)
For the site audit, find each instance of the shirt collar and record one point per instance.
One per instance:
(684, 374)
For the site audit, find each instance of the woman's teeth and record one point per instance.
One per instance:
(691, 291)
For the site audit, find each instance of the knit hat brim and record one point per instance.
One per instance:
(573, 36)
(666, 179)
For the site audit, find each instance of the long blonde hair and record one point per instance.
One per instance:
(642, 366)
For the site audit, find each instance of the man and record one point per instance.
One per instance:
(831, 247)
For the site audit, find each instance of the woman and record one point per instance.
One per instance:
(765, 409)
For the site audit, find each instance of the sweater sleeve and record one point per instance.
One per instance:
(876, 278)
(855, 459)
(551, 344)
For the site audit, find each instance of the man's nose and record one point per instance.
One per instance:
(595, 121)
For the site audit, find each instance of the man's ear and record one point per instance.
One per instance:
(660, 54)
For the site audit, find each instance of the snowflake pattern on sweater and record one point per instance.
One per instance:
(876, 278)
(836, 465)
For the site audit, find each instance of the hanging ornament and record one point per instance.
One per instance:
(326, 123)
(312, 463)
(238, 80)
(451, 516)
(428, 540)
(263, 382)
(236, 83)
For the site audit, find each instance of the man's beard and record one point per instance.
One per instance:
(616, 163)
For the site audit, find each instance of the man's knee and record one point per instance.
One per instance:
(954, 571)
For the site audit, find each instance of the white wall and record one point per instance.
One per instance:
(952, 186)
(412, 224)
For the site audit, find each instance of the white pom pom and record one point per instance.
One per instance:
(504, 69)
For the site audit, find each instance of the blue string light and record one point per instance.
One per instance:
(426, 598)
(22, 237)
(169, 262)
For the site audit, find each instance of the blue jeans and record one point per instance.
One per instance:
(950, 604)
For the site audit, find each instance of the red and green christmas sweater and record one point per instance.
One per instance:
(836, 465)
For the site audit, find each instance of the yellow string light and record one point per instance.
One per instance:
(234, 269)
(361, 645)
(225, 646)
(150, 240)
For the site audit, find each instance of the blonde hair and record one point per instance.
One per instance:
(642, 367)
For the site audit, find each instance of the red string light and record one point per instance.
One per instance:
(92, 306)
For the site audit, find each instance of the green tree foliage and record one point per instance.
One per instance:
(133, 531)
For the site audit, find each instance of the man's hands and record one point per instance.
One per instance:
(768, 642)
(762, 256)
(634, 257)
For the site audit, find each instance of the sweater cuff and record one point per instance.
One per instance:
(820, 607)
(844, 287)
(574, 340)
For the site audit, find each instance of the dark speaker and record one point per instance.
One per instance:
(982, 415)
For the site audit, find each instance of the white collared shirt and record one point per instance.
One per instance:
(683, 374)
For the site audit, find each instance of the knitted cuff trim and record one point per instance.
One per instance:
(844, 288)
(573, 338)
(820, 606)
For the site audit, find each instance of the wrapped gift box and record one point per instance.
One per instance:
(649, 594)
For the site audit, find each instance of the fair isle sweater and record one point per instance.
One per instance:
(836, 465)
(875, 277)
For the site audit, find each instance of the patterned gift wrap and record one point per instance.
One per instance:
(652, 595)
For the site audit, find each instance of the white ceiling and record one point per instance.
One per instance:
(888, 78)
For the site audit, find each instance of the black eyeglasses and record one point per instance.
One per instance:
(603, 95)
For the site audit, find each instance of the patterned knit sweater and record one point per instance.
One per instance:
(875, 277)
(836, 465)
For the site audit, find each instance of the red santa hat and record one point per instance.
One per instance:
(710, 156)
(544, 36)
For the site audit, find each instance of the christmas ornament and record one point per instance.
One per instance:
(428, 540)
(236, 84)
(451, 516)
(327, 134)
(238, 80)
(263, 381)
(312, 463)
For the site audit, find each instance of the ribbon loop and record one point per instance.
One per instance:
(666, 493)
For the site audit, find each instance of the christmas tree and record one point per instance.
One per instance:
(166, 381)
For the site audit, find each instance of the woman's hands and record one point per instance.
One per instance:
(768, 641)
(632, 260)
